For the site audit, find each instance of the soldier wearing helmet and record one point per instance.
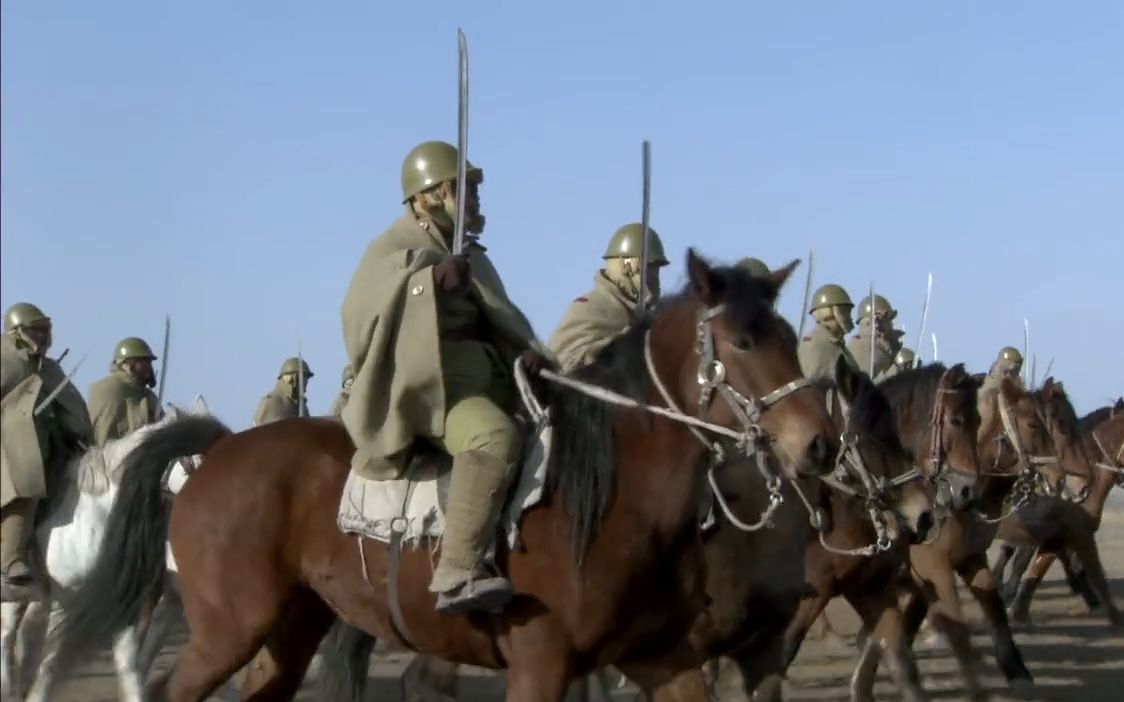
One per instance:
(595, 319)
(905, 359)
(34, 446)
(285, 400)
(433, 338)
(831, 308)
(348, 377)
(123, 402)
(876, 322)
(754, 266)
(1009, 363)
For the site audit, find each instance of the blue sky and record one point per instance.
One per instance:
(227, 163)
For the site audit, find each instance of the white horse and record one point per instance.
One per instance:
(69, 537)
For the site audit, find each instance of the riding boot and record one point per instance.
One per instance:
(476, 497)
(17, 579)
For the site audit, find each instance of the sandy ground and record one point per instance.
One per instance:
(1073, 654)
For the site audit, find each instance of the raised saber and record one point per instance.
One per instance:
(462, 140)
(300, 382)
(935, 356)
(59, 388)
(1026, 351)
(645, 225)
(924, 314)
(807, 293)
(164, 361)
(873, 330)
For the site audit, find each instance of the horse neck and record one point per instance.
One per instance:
(1103, 480)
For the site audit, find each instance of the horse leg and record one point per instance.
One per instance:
(1020, 608)
(1085, 546)
(947, 617)
(429, 679)
(687, 686)
(1024, 556)
(166, 614)
(11, 615)
(806, 613)
(979, 579)
(761, 671)
(1006, 551)
(288, 651)
(44, 683)
(1077, 579)
(887, 637)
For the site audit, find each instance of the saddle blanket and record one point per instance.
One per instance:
(415, 503)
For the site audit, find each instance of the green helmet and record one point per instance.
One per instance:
(348, 374)
(627, 242)
(132, 347)
(22, 314)
(905, 358)
(1010, 354)
(294, 365)
(754, 266)
(431, 163)
(881, 306)
(830, 295)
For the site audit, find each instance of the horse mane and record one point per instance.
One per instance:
(1057, 400)
(912, 393)
(1098, 415)
(873, 414)
(583, 451)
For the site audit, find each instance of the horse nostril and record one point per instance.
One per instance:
(818, 451)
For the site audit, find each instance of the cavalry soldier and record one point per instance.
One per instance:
(1009, 363)
(285, 399)
(754, 266)
(876, 321)
(905, 359)
(433, 338)
(123, 402)
(348, 377)
(831, 308)
(595, 319)
(35, 447)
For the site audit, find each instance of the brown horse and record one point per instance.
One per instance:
(611, 569)
(1062, 528)
(759, 615)
(1017, 449)
(1020, 557)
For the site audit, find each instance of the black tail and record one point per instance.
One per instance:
(131, 561)
(346, 654)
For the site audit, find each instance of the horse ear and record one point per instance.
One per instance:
(705, 283)
(779, 277)
(1119, 404)
(847, 379)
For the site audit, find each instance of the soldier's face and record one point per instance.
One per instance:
(39, 334)
(843, 317)
(473, 219)
(142, 370)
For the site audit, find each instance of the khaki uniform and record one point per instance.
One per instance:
(591, 323)
(818, 353)
(859, 347)
(119, 405)
(279, 403)
(35, 449)
(428, 365)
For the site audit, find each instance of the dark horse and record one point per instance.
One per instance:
(611, 569)
(753, 606)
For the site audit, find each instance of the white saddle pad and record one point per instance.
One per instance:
(371, 508)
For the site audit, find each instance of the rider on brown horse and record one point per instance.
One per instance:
(433, 337)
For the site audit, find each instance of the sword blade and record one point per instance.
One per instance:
(1026, 351)
(935, 356)
(924, 314)
(59, 388)
(873, 334)
(807, 293)
(300, 381)
(645, 224)
(462, 139)
(164, 361)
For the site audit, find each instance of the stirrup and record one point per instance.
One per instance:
(488, 594)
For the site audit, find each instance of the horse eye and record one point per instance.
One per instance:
(957, 422)
(743, 342)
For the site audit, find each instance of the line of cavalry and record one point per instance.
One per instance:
(674, 486)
